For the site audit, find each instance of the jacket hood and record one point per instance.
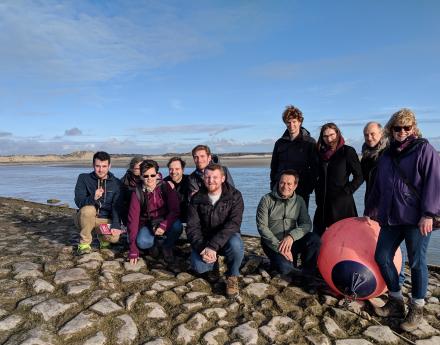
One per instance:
(274, 193)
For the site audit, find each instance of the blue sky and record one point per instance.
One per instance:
(163, 76)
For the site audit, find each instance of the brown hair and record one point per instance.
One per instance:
(292, 112)
(200, 148)
(134, 161)
(405, 117)
(328, 125)
(213, 167)
(290, 172)
(148, 164)
(177, 159)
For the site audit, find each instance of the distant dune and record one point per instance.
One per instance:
(120, 160)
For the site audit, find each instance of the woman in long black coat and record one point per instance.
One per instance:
(334, 192)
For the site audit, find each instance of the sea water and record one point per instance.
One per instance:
(42, 182)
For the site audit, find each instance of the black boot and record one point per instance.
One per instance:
(393, 308)
(413, 319)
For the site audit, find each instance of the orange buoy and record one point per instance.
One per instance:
(346, 259)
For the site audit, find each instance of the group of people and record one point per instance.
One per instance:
(402, 174)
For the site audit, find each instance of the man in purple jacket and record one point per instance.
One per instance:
(404, 201)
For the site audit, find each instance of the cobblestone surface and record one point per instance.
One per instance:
(48, 295)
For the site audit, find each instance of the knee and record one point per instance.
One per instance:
(381, 257)
(176, 227)
(283, 267)
(144, 241)
(87, 211)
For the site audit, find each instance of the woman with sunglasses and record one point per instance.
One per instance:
(404, 199)
(334, 190)
(153, 214)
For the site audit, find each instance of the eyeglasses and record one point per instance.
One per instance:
(147, 176)
(398, 129)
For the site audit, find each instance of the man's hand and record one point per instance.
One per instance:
(425, 226)
(208, 255)
(99, 192)
(285, 247)
(134, 261)
(115, 232)
(159, 232)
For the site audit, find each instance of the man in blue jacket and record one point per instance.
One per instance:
(97, 195)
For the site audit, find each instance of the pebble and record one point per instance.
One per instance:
(52, 308)
(217, 336)
(155, 311)
(41, 285)
(80, 323)
(68, 275)
(10, 323)
(78, 287)
(105, 307)
(128, 332)
(98, 339)
(332, 328)
(247, 332)
(381, 334)
(136, 277)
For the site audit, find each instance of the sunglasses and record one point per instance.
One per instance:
(398, 129)
(147, 176)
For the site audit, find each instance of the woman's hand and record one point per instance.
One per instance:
(134, 261)
(425, 226)
(159, 232)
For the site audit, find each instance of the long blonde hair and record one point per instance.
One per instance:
(405, 117)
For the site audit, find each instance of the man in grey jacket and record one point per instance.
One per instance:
(285, 227)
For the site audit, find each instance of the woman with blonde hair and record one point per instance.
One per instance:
(404, 201)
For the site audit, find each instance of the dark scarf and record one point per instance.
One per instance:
(131, 179)
(326, 152)
(373, 153)
(399, 147)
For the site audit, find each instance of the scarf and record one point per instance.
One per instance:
(326, 152)
(398, 147)
(374, 152)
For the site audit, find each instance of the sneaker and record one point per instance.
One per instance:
(83, 248)
(232, 288)
(413, 319)
(104, 244)
(394, 307)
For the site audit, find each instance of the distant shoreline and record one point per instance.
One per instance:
(85, 159)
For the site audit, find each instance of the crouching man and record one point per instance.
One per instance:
(285, 228)
(214, 219)
(97, 195)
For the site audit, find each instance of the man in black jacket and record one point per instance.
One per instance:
(180, 181)
(202, 158)
(296, 150)
(97, 195)
(214, 219)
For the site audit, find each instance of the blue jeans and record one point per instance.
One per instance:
(389, 240)
(307, 247)
(233, 251)
(145, 238)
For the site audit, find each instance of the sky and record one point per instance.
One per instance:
(152, 77)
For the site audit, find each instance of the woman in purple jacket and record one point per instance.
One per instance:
(404, 199)
(153, 214)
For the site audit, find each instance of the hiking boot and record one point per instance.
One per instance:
(413, 319)
(393, 308)
(232, 288)
(83, 248)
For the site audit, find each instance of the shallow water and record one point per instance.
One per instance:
(41, 182)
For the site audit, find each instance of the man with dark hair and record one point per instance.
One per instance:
(285, 227)
(202, 158)
(180, 181)
(214, 219)
(97, 195)
(296, 149)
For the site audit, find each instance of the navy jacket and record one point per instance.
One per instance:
(109, 205)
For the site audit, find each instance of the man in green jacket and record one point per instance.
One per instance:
(285, 227)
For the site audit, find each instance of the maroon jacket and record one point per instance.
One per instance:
(163, 206)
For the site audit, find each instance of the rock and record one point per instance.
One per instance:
(199, 285)
(192, 306)
(189, 332)
(353, 342)
(332, 328)
(51, 308)
(170, 298)
(275, 330)
(431, 341)
(215, 313)
(191, 296)
(162, 285)
(23, 266)
(309, 322)
(41, 285)
(155, 311)
(98, 339)
(341, 315)
(28, 274)
(128, 333)
(113, 267)
(105, 307)
(180, 290)
(94, 256)
(319, 339)
(247, 333)
(10, 323)
(136, 277)
(135, 268)
(80, 323)
(159, 341)
(425, 330)
(381, 334)
(131, 301)
(258, 291)
(78, 287)
(31, 301)
(184, 277)
(216, 299)
(217, 336)
(35, 336)
(91, 265)
(69, 275)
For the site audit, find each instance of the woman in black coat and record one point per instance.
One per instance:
(334, 192)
